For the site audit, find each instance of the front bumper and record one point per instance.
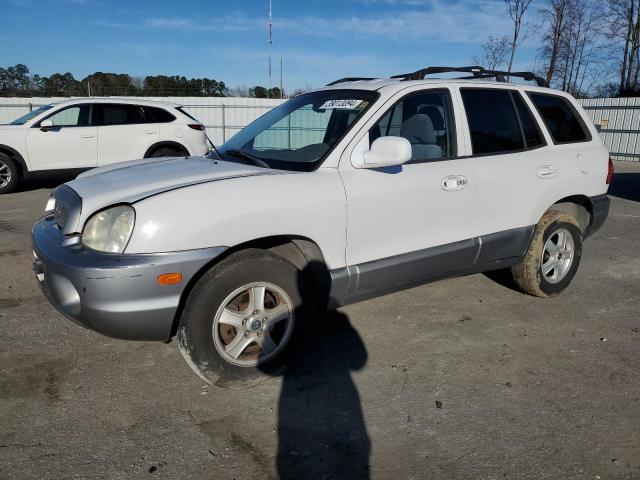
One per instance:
(116, 295)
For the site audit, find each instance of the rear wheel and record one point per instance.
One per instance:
(553, 256)
(241, 318)
(9, 174)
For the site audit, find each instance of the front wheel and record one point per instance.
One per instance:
(553, 256)
(241, 318)
(9, 174)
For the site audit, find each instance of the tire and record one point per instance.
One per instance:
(167, 152)
(547, 270)
(223, 338)
(9, 174)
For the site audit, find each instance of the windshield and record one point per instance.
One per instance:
(28, 116)
(299, 133)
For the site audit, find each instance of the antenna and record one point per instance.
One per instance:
(269, 43)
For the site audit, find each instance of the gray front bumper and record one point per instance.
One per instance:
(116, 295)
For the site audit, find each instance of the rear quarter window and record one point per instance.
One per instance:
(159, 115)
(560, 117)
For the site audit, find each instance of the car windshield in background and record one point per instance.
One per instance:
(28, 116)
(299, 133)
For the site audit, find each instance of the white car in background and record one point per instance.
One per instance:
(80, 134)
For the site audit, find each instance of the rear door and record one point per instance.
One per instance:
(70, 143)
(125, 132)
(516, 171)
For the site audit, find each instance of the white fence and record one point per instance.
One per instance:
(618, 119)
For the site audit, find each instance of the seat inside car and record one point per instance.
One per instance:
(419, 130)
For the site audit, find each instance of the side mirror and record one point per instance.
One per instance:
(385, 152)
(46, 125)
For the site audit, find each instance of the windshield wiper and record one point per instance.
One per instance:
(253, 159)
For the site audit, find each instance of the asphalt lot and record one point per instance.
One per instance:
(461, 379)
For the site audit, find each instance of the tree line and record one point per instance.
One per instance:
(17, 81)
(580, 44)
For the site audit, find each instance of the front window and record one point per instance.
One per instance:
(298, 134)
(31, 115)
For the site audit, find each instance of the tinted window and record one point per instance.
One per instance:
(121, 114)
(425, 119)
(532, 135)
(560, 118)
(76, 116)
(493, 122)
(158, 115)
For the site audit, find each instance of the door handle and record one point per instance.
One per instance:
(87, 135)
(150, 132)
(547, 171)
(453, 183)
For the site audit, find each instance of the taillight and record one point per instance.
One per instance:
(610, 172)
(196, 126)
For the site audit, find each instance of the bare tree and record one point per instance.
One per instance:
(517, 9)
(555, 15)
(623, 30)
(493, 53)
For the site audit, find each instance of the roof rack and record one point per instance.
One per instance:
(476, 71)
(349, 79)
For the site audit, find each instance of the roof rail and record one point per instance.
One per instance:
(349, 79)
(477, 72)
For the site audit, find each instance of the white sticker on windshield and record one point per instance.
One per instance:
(341, 104)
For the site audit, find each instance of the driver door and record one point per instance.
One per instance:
(70, 143)
(411, 223)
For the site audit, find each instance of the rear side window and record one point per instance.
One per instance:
(121, 114)
(532, 135)
(493, 121)
(158, 115)
(560, 118)
(423, 118)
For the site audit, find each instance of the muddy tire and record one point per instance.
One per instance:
(241, 319)
(553, 256)
(9, 174)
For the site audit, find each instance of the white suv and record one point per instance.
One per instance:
(84, 133)
(350, 192)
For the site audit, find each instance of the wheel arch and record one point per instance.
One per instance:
(304, 253)
(165, 144)
(579, 207)
(17, 157)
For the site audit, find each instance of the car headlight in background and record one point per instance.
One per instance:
(51, 206)
(109, 230)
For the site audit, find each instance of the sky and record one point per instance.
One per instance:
(318, 40)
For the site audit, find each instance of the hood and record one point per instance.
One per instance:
(6, 126)
(129, 182)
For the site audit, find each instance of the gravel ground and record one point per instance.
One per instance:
(460, 379)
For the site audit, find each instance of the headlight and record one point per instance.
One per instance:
(109, 230)
(51, 206)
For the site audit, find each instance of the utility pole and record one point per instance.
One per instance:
(269, 43)
(281, 90)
